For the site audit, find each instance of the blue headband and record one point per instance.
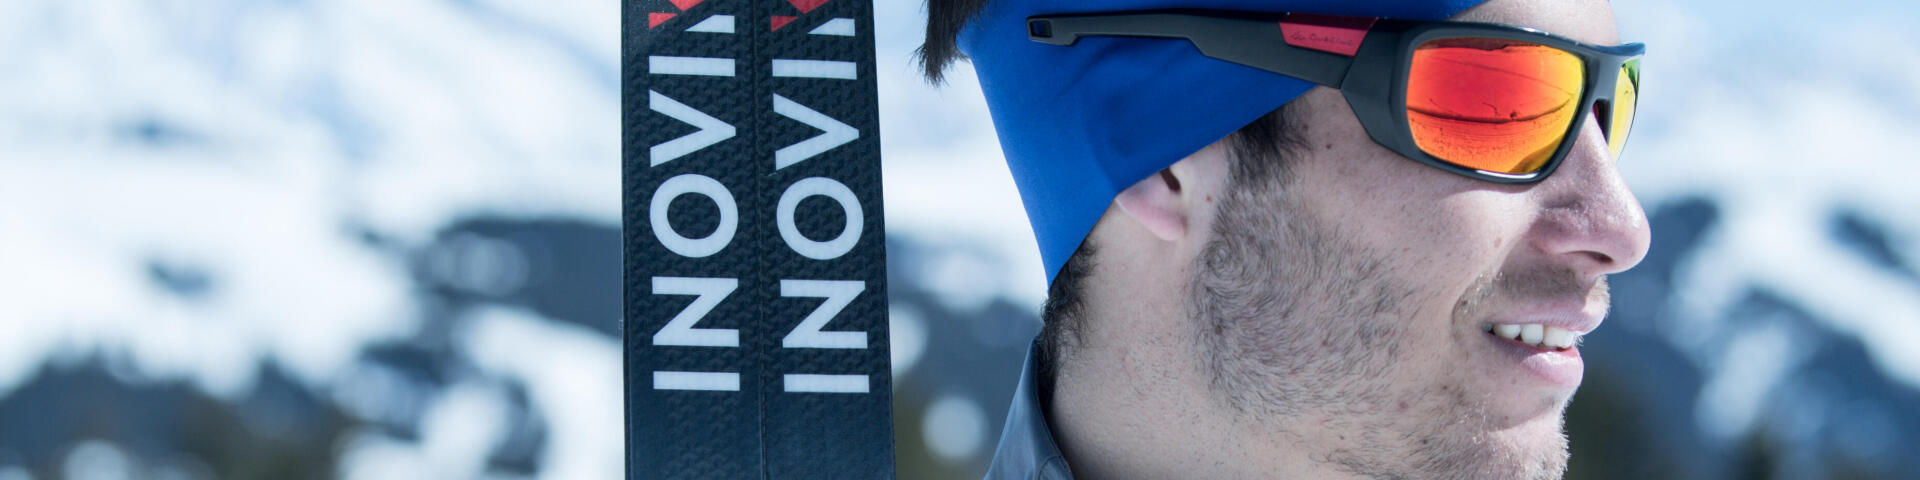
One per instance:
(1079, 124)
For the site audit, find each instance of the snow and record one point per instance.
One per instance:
(1782, 141)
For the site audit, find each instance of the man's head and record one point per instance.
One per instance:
(1324, 308)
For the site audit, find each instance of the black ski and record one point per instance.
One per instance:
(754, 249)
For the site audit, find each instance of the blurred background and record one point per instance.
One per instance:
(379, 239)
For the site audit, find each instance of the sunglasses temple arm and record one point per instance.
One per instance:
(1254, 43)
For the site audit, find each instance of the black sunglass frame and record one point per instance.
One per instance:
(1373, 79)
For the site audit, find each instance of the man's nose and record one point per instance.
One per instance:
(1589, 220)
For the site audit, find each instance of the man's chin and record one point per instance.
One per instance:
(1546, 430)
(1519, 409)
(1535, 448)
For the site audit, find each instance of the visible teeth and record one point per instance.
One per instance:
(1530, 333)
(1557, 338)
(1541, 336)
(1507, 331)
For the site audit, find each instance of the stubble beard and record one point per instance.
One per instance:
(1295, 319)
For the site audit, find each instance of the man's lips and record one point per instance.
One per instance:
(1545, 341)
(1562, 368)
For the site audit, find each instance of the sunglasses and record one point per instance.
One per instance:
(1487, 101)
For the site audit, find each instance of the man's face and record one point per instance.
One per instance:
(1349, 301)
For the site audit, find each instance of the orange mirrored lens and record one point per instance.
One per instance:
(1496, 105)
(1626, 93)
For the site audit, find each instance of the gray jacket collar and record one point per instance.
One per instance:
(1027, 451)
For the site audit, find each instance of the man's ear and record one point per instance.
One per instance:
(1155, 203)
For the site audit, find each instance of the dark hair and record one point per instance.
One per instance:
(945, 18)
(1257, 149)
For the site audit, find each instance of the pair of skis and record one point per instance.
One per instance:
(754, 262)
